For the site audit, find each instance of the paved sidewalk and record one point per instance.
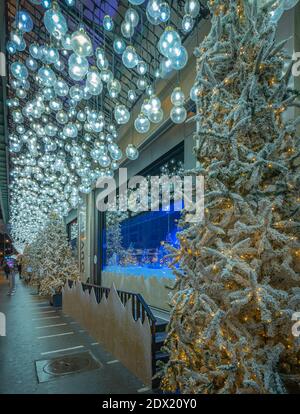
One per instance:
(36, 331)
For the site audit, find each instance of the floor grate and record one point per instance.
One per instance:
(51, 369)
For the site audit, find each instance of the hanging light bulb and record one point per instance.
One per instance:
(78, 67)
(61, 87)
(178, 114)
(142, 124)
(81, 43)
(132, 152)
(165, 67)
(187, 23)
(153, 8)
(34, 51)
(70, 3)
(76, 93)
(194, 93)
(104, 161)
(114, 88)
(93, 81)
(108, 23)
(51, 55)
(164, 12)
(177, 97)
(142, 84)
(70, 130)
(168, 40)
(19, 70)
(179, 57)
(192, 7)
(62, 117)
(59, 65)
(132, 17)
(130, 57)
(16, 37)
(131, 95)
(106, 75)
(156, 116)
(127, 29)
(11, 47)
(119, 45)
(46, 76)
(46, 3)
(55, 22)
(121, 114)
(142, 68)
(31, 64)
(150, 90)
(24, 21)
(153, 20)
(55, 105)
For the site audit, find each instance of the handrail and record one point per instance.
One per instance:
(123, 295)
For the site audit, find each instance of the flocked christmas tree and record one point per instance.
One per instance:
(238, 282)
(114, 239)
(57, 263)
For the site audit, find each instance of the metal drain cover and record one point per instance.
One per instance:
(51, 369)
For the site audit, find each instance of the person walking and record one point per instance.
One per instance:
(19, 266)
(6, 269)
(12, 282)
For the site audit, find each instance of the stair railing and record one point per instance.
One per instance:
(139, 309)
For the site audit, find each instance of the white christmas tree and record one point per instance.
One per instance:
(114, 238)
(56, 264)
(238, 282)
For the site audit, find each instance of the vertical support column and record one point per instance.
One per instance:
(3, 94)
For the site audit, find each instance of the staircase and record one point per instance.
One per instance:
(157, 353)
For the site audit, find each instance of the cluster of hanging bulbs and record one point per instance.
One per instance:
(61, 143)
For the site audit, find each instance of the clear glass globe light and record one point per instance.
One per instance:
(164, 12)
(55, 23)
(142, 68)
(179, 58)
(192, 7)
(187, 23)
(156, 116)
(46, 76)
(177, 97)
(121, 114)
(132, 17)
(168, 40)
(81, 43)
(127, 29)
(131, 95)
(24, 21)
(178, 114)
(142, 124)
(119, 45)
(132, 152)
(130, 57)
(93, 81)
(19, 70)
(78, 67)
(108, 23)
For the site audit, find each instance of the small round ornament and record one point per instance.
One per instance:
(142, 124)
(132, 152)
(81, 43)
(130, 57)
(178, 114)
(108, 23)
